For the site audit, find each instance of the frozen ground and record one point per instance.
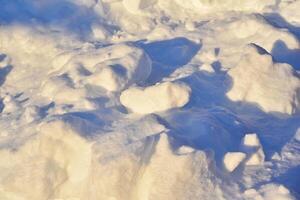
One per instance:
(149, 99)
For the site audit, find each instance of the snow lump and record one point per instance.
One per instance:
(160, 97)
(233, 159)
(274, 87)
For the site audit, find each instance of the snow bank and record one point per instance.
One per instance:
(274, 87)
(58, 163)
(156, 98)
(68, 66)
(232, 160)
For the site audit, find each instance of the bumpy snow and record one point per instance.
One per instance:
(149, 99)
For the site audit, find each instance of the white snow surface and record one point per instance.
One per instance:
(149, 99)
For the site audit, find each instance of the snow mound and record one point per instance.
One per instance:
(160, 97)
(256, 29)
(232, 160)
(113, 68)
(161, 180)
(289, 10)
(238, 32)
(272, 86)
(58, 163)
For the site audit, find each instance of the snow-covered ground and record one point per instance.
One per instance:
(149, 99)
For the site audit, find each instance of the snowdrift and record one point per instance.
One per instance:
(149, 100)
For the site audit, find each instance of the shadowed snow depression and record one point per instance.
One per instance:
(149, 100)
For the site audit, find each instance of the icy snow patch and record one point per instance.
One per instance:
(257, 79)
(156, 98)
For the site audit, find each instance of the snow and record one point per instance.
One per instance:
(136, 6)
(268, 192)
(289, 11)
(257, 79)
(185, 150)
(253, 147)
(257, 158)
(10, 104)
(149, 99)
(233, 159)
(251, 140)
(160, 97)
